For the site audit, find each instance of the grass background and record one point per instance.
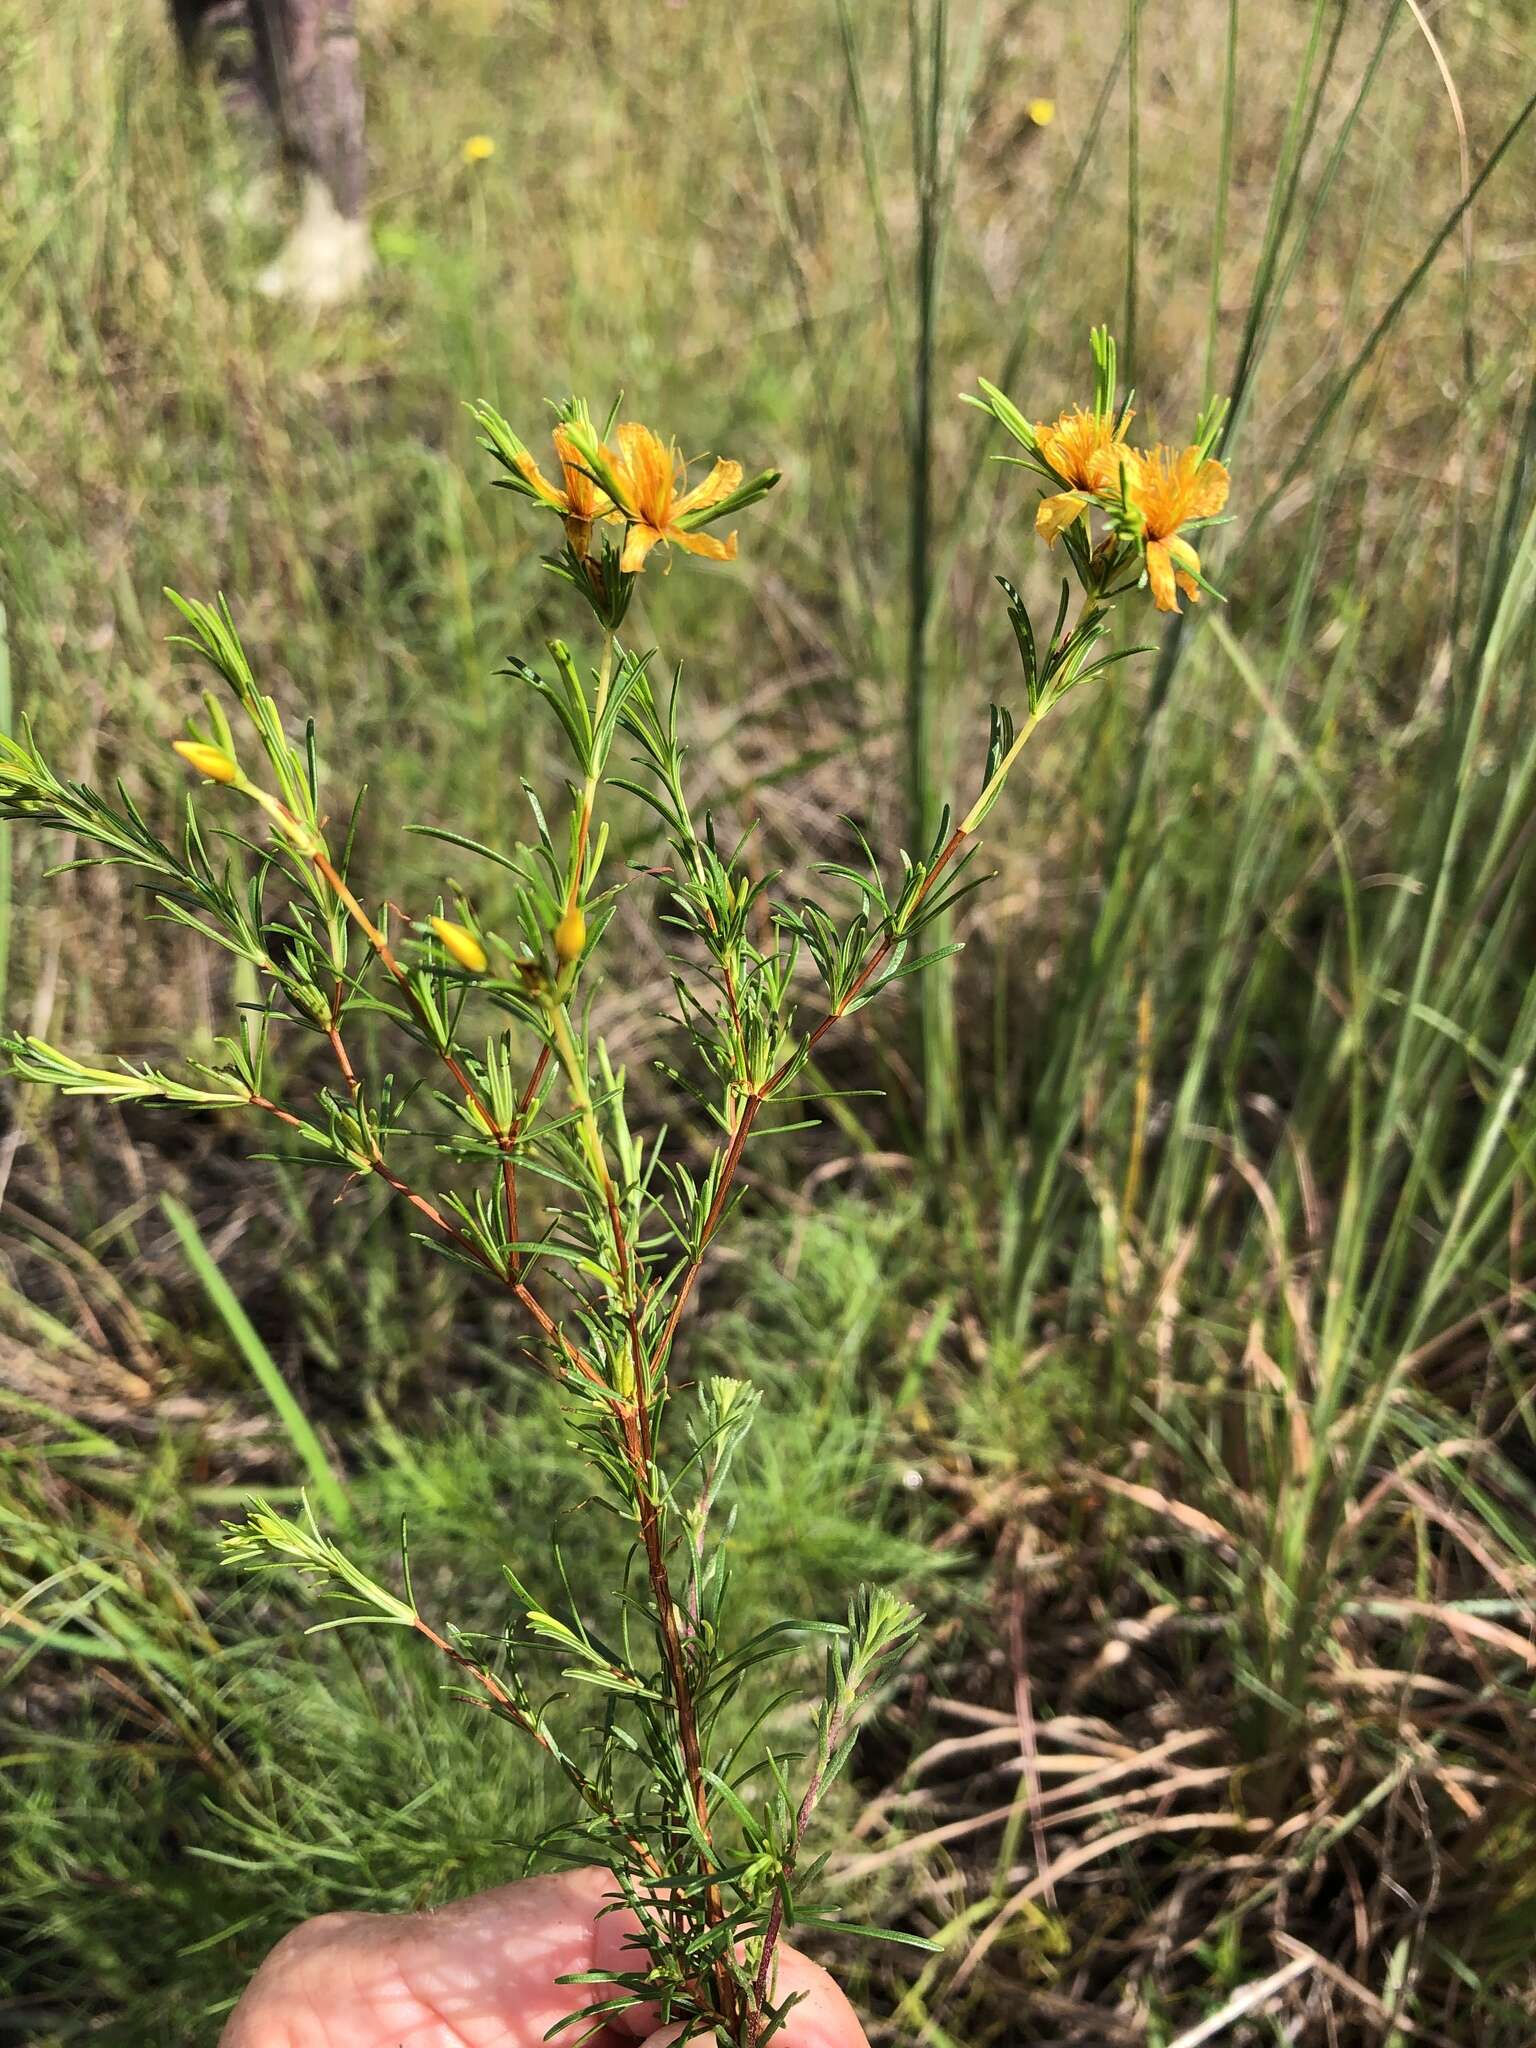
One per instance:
(1166, 1326)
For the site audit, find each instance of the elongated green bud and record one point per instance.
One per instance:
(460, 944)
(207, 760)
(571, 936)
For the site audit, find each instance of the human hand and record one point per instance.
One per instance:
(481, 1974)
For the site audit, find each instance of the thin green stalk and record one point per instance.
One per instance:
(999, 775)
(929, 78)
(307, 1445)
(1280, 285)
(1041, 273)
(853, 553)
(1223, 194)
(895, 304)
(1057, 1096)
(1345, 382)
(1395, 1125)
(5, 830)
(936, 998)
(1128, 354)
(1282, 197)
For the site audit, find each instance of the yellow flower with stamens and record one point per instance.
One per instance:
(1085, 451)
(580, 503)
(649, 474)
(1167, 487)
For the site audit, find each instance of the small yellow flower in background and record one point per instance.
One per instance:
(1042, 112)
(1167, 487)
(1085, 450)
(207, 760)
(648, 473)
(580, 503)
(571, 936)
(460, 944)
(479, 149)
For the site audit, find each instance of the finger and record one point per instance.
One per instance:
(486, 1969)
(514, 1944)
(822, 2017)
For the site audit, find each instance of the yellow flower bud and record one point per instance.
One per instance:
(478, 149)
(571, 936)
(1042, 112)
(210, 761)
(460, 944)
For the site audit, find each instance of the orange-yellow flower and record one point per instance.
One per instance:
(648, 474)
(1085, 450)
(579, 503)
(1168, 487)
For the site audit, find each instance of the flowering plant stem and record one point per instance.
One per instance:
(541, 1186)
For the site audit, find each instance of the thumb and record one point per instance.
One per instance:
(820, 2017)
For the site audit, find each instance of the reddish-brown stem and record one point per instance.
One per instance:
(492, 1686)
(386, 957)
(881, 954)
(734, 1150)
(754, 1101)
(509, 1158)
(636, 1441)
(528, 1301)
(540, 1069)
(640, 1456)
(775, 1927)
(634, 1416)
(630, 1300)
(505, 1139)
(343, 1060)
(275, 1109)
(638, 1452)
(509, 1193)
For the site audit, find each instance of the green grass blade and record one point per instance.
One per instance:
(1128, 354)
(1223, 194)
(307, 1446)
(5, 830)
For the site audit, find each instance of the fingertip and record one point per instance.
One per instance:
(822, 2026)
(821, 2016)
